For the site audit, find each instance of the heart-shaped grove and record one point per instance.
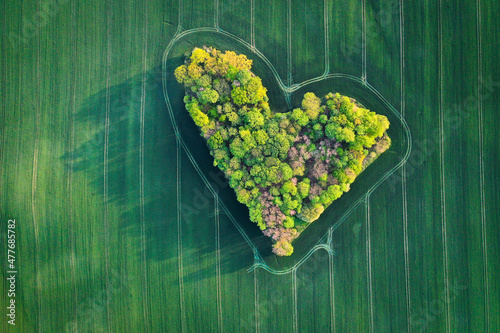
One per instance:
(286, 167)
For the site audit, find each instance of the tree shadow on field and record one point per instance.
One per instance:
(119, 137)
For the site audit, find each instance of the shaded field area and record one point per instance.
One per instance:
(116, 230)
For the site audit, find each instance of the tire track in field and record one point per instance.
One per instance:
(105, 161)
(36, 230)
(181, 14)
(403, 180)
(294, 297)
(34, 179)
(369, 260)
(363, 39)
(332, 290)
(257, 302)
(73, 111)
(216, 14)
(145, 302)
(252, 24)
(327, 37)
(259, 262)
(481, 168)
(179, 239)
(289, 42)
(217, 258)
(441, 173)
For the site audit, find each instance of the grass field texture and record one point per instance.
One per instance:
(116, 231)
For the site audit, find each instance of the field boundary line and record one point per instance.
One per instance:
(403, 180)
(369, 260)
(484, 232)
(217, 258)
(179, 238)
(141, 171)
(442, 175)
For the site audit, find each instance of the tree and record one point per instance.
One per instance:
(260, 136)
(289, 187)
(199, 56)
(237, 148)
(303, 188)
(311, 213)
(234, 118)
(194, 71)
(254, 119)
(200, 118)
(215, 141)
(208, 96)
(244, 76)
(289, 223)
(239, 96)
(239, 61)
(311, 105)
(256, 92)
(286, 171)
(181, 73)
(244, 196)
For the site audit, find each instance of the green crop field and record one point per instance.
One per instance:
(118, 228)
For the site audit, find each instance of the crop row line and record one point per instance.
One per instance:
(441, 171)
(331, 280)
(180, 18)
(326, 24)
(369, 259)
(72, 149)
(257, 301)
(145, 303)
(36, 229)
(363, 39)
(105, 159)
(481, 168)
(217, 258)
(179, 237)
(216, 14)
(252, 24)
(403, 182)
(294, 296)
(34, 179)
(289, 43)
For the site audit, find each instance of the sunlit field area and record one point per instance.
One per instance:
(122, 224)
